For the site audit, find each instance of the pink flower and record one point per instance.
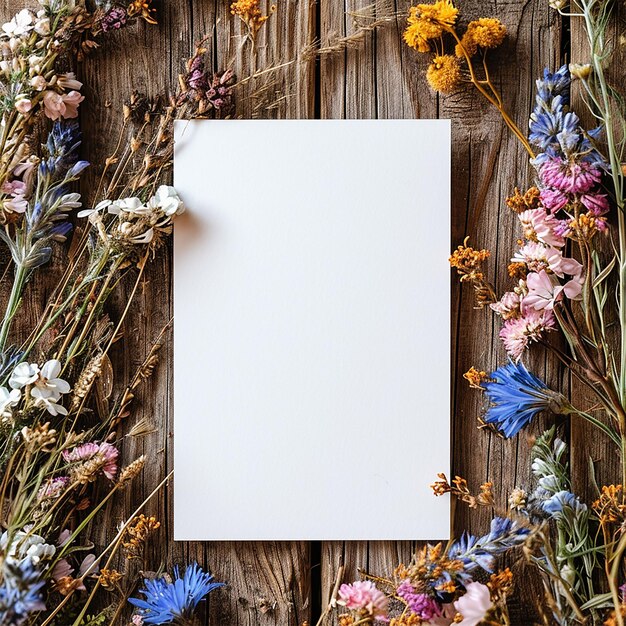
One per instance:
(518, 332)
(539, 257)
(363, 595)
(474, 605)
(137, 620)
(71, 102)
(104, 452)
(57, 106)
(596, 203)
(53, 105)
(544, 290)
(508, 306)
(570, 176)
(62, 569)
(553, 199)
(541, 225)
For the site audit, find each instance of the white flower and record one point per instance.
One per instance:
(105, 204)
(167, 200)
(50, 403)
(26, 545)
(474, 605)
(38, 82)
(24, 374)
(42, 25)
(47, 388)
(21, 24)
(129, 205)
(8, 399)
(48, 385)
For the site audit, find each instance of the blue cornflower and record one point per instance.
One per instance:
(174, 602)
(504, 534)
(20, 592)
(515, 396)
(554, 84)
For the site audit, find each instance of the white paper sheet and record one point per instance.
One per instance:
(312, 329)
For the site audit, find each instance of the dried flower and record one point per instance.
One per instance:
(475, 378)
(460, 490)
(249, 12)
(41, 438)
(109, 578)
(142, 9)
(444, 73)
(468, 262)
(420, 604)
(137, 534)
(520, 203)
(486, 32)
(428, 21)
(517, 499)
(364, 598)
(88, 460)
(114, 19)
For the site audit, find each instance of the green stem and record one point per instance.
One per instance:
(19, 281)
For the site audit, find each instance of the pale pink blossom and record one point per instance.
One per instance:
(71, 101)
(137, 620)
(518, 332)
(363, 595)
(474, 604)
(544, 290)
(58, 106)
(541, 225)
(540, 257)
(508, 305)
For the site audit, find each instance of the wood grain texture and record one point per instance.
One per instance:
(379, 77)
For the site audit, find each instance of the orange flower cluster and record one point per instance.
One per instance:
(460, 490)
(249, 11)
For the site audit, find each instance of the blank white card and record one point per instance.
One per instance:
(312, 329)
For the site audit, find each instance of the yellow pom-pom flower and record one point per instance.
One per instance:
(429, 21)
(444, 73)
(486, 32)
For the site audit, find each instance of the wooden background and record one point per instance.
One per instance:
(378, 76)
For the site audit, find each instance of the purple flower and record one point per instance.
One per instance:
(114, 19)
(569, 176)
(421, 604)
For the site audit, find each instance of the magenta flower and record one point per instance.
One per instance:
(596, 203)
(553, 199)
(421, 604)
(518, 332)
(103, 453)
(569, 176)
(363, 595)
